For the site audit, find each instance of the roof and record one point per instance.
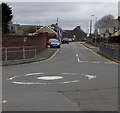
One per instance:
(46, 29)
(116, 33)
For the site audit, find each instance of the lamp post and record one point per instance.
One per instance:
(95, 17)
(58, 31)
(90, 26)
(95, 31)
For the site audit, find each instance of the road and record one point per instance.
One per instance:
(75, 79)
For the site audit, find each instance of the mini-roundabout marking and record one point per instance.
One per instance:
(47, 79)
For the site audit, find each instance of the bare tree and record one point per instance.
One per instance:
(104, 21)
(31, 29)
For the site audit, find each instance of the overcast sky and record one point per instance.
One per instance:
(70, 14)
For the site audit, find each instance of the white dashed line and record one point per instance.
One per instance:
(76, 55)
(75, 81)
(67, 82)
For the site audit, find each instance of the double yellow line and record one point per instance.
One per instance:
(4, 101)
(50, 56)
(113, 62)
(34, 62)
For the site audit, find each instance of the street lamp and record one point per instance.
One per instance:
(95, 31)
(95, 17)
(58, 31)
(90, 26)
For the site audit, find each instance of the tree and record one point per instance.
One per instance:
(30, 29)
(105, 20)
(6, 17)
(118, 18)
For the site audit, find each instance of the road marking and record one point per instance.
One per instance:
(27, 83)
(90, 76)
(50, 57)
(79, 60)
(70, 73)
(75, 81)
(35, 62)
(33, 74)
(4, 101)
(95, 62)
(76, 55)
(98, 55)
(66, 82)
(49, 77)
(11, 78)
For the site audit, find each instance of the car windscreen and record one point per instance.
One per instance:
(53, 40)
(65, 39)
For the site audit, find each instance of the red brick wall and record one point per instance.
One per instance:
(39, 42)
(16, 41)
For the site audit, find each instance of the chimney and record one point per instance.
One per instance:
(78, 27)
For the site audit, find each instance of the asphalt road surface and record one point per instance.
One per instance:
(75, 79)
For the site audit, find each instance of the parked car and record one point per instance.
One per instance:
(65, 40)
(49, 41)
(54, 43)
(70, 40)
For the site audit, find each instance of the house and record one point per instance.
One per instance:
(17, 29)
(108, 29)
(60, 32)
(69, 33)
(46, 29)
(77, 33)
(117, 33)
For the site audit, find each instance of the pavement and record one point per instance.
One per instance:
(96, 49)
(43, 55)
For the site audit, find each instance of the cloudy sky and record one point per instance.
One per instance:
(70, 14)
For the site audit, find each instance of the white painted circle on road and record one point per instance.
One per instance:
(49, 77)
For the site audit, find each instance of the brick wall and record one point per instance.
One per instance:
(39, 42)
(16, 41)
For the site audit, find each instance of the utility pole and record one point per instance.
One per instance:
(95, 31)
(90, 26)
(58, 31)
